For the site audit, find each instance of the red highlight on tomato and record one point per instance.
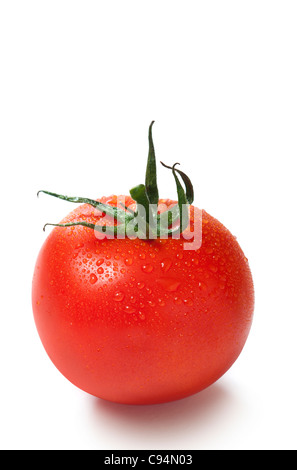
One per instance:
(139, 300)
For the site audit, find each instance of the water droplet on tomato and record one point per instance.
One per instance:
(119, 296)
(213, 268)
(166, 264)
(130, 309)
(93, 278)
(202, 285)
(99, 261)
(79, 245)
(188, 302)
(169, 284)
(100, 270)
(140, 285)
(147, 268)
(128, 261)
(222, 281)
(141, 316)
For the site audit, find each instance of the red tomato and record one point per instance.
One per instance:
(141, 321)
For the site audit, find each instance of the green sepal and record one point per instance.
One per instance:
(138, 193)
(105, 229)
(116, 213)
(187, 182)
(151, 185)
(184, 198)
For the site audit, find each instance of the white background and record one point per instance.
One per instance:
(80, 82)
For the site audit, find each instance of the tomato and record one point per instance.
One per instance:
(141, 321)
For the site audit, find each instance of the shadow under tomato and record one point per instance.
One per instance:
(186, 423)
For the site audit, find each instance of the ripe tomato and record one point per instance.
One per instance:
(141, 321)
(140, 318)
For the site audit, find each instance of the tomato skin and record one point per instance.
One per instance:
(141, 322)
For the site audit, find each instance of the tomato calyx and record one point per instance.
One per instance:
(146, 221)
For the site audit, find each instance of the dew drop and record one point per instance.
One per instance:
(213, 268)
(99, 262)
(188, 302)
(169, 284)
(79, 245)
(202, 286)
(140, 285)
(100, 270)
(93, 278)
(128, 261)
(141, 316)
(119, 296)
(166, 265)
(130, 309)
(147, 268)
